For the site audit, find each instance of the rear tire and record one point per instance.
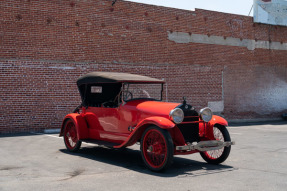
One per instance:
(157, 148)
(71, 139)
(220, 155)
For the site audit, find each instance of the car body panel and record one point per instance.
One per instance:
(114, 124)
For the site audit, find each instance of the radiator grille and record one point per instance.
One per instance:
(190, 127)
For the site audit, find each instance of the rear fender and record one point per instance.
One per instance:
(207, 128)
(161, 122)
(80, 123)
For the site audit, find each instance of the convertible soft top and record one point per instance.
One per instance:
(115, 77)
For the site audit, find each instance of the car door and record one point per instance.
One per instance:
(104, 124)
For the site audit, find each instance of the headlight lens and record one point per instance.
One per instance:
(176, 115)
(205, 114)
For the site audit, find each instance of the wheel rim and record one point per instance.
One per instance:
(218, 135)
(154, 148)
(70, 135)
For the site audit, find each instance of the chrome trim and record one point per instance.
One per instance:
(201, 111)
(171, 116)
(205, 146)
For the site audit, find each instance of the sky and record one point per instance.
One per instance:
(240, 7)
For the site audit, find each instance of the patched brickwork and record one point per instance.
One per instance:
(46, 45)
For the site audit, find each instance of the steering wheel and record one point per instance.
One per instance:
(109, 104)
(127, 95)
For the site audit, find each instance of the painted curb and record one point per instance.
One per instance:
(51, 131)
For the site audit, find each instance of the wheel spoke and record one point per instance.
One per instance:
(215, 154)
(154, 148)
(70, 135)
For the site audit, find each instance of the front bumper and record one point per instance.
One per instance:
(205, 146)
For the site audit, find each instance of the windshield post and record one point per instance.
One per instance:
(122, 93)
(125, 87)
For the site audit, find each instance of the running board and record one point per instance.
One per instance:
(205, 146)
(100, 143)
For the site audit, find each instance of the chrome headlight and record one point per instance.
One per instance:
(176, 115)
(205, 114)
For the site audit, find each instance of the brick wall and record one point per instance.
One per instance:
(46, 45)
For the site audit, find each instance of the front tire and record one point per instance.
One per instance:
(157, 148)
(71, 139)
(220, 155)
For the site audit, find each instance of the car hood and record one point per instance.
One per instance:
(151, 108)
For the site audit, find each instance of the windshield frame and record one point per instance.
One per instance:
(125, 87)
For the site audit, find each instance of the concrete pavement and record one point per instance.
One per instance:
(258, 161)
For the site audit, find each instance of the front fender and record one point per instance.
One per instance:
(80, 123)
(161, 122)
(217, 120)
(208, 129)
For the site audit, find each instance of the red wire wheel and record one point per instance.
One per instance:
(157, 148)
(71, 137)
(218, 156)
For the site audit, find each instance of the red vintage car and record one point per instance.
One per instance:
(120, 109)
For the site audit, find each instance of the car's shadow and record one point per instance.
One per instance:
(131, 159)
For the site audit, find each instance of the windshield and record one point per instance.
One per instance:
(142, 91)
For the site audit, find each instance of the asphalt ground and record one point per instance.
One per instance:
(258, 161)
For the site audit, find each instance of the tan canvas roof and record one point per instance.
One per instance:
(114, 77)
